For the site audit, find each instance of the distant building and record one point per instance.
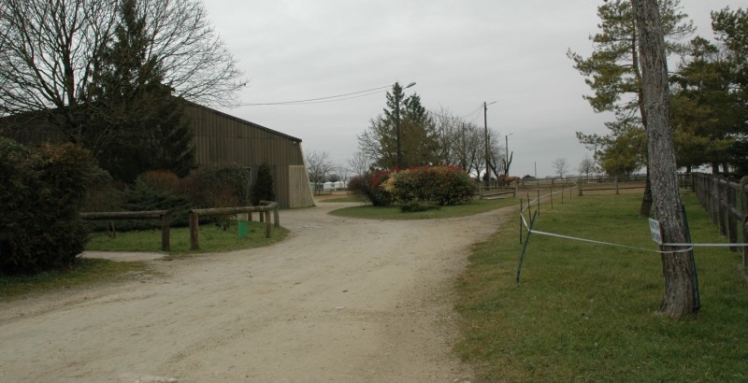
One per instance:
(218, 137)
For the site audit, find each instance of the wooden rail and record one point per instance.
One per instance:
(727, 205)
(264, 209)
(163, 215)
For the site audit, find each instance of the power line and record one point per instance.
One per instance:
(318, 100)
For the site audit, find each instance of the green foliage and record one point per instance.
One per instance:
(42, 192)
(427, 185)
(263, 189)
(439, 185)
(155, 191)
(712, 94)
(620, 153)
(218, 185)
(369, 184)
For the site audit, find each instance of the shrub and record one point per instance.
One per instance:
(218, 185)
(441, 185)
(162, 180)
(155, 190)
(43, 191)
(262, 190)
(369, 185)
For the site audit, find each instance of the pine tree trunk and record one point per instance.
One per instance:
(678, 299)
(646, 207)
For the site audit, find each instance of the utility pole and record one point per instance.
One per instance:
(399, 135)
(485, 132)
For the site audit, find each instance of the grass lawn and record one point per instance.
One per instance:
(393, 212)
(93, 271)
(348, 198)
(212, 239)
(587, 313)
(85, 272)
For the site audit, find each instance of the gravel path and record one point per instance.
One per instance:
(341, 300)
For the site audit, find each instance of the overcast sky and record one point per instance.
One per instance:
(460, 54)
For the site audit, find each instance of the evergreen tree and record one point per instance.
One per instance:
(613, 71)
(139, 126)
(731, 30)
(418, 143)
(703, 107)
(263, 189)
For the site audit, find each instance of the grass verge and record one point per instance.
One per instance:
(349, 198)
(212, 239)
(393, 212)
(85, 272)
(586, 313)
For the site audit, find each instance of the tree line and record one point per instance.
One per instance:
(708, 89)
(109, 76)
(427, 138)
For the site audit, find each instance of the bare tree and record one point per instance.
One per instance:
(587, 166)
(319, 166)
(561, 165)
(677, 267)
(51, 50)
(359, 163)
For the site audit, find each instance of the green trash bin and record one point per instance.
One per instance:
(241, 220)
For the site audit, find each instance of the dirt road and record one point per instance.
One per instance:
(342, 300)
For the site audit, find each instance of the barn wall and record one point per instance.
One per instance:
(217, 137)
(221, 137)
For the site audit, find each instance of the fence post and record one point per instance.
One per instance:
(722, 212)
(194, 228)
(520, 220)
(744, 208)
(732, 218)
(616, 180)
(581, 192)
(165, 245)
(268, 226)
(276, 218)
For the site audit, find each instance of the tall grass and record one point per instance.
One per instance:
(587, 313)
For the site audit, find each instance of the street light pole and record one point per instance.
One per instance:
(398, 122)
(485, 133)
(507, 150)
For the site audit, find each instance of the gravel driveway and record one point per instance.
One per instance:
(341, 300)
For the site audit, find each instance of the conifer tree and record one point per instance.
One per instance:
(138, 125)
(613, 73)
(263, 189)
(418, 141)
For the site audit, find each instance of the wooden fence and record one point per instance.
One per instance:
(163, 215)
(264, 209)
(727, 204)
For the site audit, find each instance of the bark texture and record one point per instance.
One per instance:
(677, 270)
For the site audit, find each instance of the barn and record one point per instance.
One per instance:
(221, 137)
(218, 137)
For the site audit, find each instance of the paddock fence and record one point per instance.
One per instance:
(726, 202)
